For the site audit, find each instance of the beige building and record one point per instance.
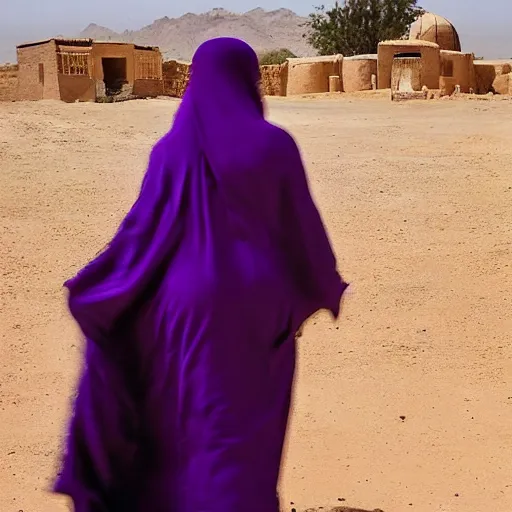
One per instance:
(86, 70)
(431, 58)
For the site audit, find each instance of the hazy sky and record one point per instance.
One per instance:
(482, 25)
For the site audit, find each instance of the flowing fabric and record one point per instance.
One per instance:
(190, 312)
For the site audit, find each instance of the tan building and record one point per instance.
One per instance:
(311, 75)
(86, 70)
(407, 66)
(430, 60)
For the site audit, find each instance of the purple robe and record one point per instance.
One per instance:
(190, 313)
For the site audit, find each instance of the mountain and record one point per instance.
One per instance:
(178, 38)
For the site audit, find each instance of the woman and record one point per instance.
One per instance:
(191, 311)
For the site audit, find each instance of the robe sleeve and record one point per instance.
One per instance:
(309, 254)
(106, 289)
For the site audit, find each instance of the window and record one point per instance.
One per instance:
(73, 63)
(447, 68)
(407, 55)
(41, 74)
(148, 66)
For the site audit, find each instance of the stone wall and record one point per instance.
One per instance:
(176, 76)
(38, 74)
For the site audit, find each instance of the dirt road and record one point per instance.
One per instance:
(406, 404)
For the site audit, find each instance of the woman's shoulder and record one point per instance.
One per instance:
(280, 140)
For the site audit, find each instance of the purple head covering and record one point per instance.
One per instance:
(257, 171)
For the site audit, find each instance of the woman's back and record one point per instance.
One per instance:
(191, 312)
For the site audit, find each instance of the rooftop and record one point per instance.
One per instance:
(407, 42)
(66, 42)
(318, 58)
(81, 42)
(369, 56)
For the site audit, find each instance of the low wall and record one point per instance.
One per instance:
(147, 88)
(176, 76)
(357, 72)
(503, 84)
(273, 80)
(486, 73)
(76, 88)
(311, 75)
(8, 82)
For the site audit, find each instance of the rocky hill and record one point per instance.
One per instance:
(178, 38)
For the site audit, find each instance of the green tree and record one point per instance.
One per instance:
(276, 57)
(356, 27)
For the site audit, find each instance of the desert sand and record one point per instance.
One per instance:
(405, 404)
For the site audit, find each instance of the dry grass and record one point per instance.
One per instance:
(8, 82)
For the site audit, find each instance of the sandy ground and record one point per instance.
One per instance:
(418, 201)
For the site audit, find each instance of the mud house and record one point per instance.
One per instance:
(86, 70)
(431, 58)
(359, 73)
(311, 75)
(407, 66)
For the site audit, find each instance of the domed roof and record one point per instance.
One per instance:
(434, 28)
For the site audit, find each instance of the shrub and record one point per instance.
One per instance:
(276, 57)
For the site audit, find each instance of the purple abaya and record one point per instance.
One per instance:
(190, 313)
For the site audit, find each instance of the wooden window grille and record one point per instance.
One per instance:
(148, 67)
(73, 63)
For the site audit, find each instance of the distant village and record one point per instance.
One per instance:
(429, 64)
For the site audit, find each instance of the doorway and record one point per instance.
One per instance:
(114, 74)
(406, 72)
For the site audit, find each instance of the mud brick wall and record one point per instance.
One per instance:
(273, 80)
(430, 61)
(176, 76)
(486, 73)
(38, 73)
(311, 75)
(357, 74)
(456, 69)
(148, 88)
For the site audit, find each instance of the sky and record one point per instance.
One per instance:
(482, 26)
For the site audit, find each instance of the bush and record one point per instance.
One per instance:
(276, 57)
